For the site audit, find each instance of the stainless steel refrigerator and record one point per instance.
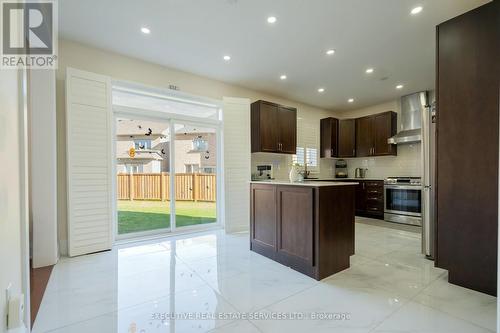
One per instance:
(429, 176)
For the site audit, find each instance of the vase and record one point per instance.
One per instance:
(294, 174)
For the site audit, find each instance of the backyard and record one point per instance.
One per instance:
(136, 216)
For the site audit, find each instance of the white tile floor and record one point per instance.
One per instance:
(134, 288)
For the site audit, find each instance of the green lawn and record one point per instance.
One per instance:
(134, 216)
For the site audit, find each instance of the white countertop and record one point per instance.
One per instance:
(344, 179)
(303, 183)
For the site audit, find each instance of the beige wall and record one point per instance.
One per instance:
(10, 194)
(407, 163)
(86, 58)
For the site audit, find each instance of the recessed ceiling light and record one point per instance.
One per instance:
(350, 100)
(399, 86)
(416, 10)
(321, 90)
(283, 77)
(330, 52)
(271, 19)
(227, 58)
(369, 71)
(145, 30)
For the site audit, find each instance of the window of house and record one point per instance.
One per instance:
(208, 170)
(306, 155)
(142, 144)
(134, 168)
(191, 168)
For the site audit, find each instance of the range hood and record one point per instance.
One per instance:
(412, 107)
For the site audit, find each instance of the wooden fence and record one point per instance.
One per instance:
(156, 186)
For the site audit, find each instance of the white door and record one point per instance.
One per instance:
(88, 131)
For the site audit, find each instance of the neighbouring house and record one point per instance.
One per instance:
(195, 149)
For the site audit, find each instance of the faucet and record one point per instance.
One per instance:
(306, 173)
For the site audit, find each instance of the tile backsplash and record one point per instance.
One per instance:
(282, 163)
(407, 163)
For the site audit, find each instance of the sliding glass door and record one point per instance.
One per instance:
(167, 146)
(149, 199)
(142, 175)
(195, 155)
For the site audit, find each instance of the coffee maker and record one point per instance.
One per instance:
(264, 172)
(340, 169)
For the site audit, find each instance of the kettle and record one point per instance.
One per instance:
(360, 172)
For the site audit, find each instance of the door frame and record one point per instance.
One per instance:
(172, 119)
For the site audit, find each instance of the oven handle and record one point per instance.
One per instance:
(404, 187)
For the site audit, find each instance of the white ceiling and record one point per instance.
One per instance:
(193, 35)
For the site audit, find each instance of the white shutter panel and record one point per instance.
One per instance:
(88, 131)
(237, 163)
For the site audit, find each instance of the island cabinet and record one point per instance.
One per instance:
(308, 228)
(372, 133)
(273, 128)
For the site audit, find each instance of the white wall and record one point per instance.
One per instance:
(43, 168)
(11, 179)
(72, 54)
(406, 163)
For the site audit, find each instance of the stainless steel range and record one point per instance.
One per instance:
(403, 200)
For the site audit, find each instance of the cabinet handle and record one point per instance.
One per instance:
(354, 152)
(332, 152)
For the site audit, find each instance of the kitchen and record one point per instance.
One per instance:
(407, 173)
(319, 164)
(379, 152)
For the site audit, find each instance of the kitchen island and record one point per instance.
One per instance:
(308, 226)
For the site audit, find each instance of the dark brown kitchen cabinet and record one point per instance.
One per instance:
(273, 128)
(308, 228)
(295, 225)
(329, 137)
(347, 138)
(370, 198)
(263, 213)
(384, 127)
(467, 94)
(364, 136)
(287, 135)
(372, 133)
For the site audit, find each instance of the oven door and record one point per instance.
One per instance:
(403, 200)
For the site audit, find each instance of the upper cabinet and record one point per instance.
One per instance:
(329, 137)
(274, 128)
(366, 136)
(347, 138)
(372, 133)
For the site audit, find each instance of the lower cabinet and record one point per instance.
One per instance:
(295, 225)
(369, 198)
(310, 229)
(263, 213)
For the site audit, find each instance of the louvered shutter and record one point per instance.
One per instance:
(237, 163)
(89, 181)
